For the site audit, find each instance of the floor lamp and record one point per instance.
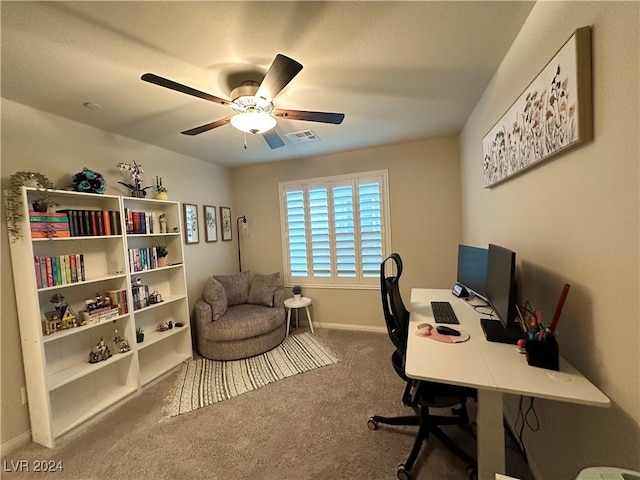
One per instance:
(244, 220)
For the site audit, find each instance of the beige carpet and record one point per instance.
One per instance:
(203, 382)
(309, 426)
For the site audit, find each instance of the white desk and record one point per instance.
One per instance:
(492, 368)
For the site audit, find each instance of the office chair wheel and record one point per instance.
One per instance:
(372, 424)
(402, 472)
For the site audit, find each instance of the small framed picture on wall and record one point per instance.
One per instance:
(211, 224)
(190, 223)
(225, 223)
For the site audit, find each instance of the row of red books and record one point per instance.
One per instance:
(59, 270)
(139, 222)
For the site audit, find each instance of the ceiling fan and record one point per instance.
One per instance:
(252, 102)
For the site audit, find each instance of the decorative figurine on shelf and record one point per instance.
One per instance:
(101, 353)
(161, 191)
(100, 301)
(117, 340)
(120, 344)
(154, 297)
(163, 327)
(61, 318)
(88, 181)
(124, 346)
(139, 335)
(163, 223)
(136, 175)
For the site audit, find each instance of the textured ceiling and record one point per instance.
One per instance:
(399, 71)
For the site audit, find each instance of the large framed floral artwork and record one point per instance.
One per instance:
(553, 114)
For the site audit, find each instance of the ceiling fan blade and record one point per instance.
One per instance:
(207, 127)
(280, 73)
(323, 117)
(273, 139)
(178, 87)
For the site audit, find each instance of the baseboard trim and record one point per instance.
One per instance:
(16, 442)
(347, 326)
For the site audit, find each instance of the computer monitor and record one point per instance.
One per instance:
(472, 269)
(500, 288)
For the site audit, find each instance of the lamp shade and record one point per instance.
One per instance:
(253, 122)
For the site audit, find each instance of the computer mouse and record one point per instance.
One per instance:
(447, 331)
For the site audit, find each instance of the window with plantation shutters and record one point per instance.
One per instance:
(335, 229)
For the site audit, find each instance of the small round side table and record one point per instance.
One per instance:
(292, 303)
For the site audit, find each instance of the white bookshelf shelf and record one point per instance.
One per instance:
(77, 330)
(79, 370)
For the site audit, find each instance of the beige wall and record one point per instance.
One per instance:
(574, 219)
(424, 195)
(37, 141)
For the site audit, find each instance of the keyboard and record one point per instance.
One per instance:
(443, 312)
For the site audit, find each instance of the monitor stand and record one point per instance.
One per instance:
(494, 331)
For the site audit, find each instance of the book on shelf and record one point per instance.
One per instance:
(36, 262)
(55, 264)
(106, 222)
(58, 217)
(73, 268)
(50, 234)
(119, 299)
(57, 226)
(86, 220)
(140, 294)
(99, 315)
(115, 222)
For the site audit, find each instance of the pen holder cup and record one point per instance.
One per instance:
(544, 353)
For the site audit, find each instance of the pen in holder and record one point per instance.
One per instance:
(543, 353)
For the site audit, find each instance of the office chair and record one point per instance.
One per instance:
(420, 395)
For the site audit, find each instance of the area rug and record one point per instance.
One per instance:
(204, 382)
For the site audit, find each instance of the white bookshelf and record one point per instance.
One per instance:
(161, 351)
(64, 389)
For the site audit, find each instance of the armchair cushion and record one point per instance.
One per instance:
(263, 289)
(214, 294)
(236, 287)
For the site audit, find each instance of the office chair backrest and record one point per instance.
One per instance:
(396, 315)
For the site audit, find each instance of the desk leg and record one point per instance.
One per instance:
(288, 320)
(309, 317)
(491, 456)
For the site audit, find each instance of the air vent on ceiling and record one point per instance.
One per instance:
(304, 136)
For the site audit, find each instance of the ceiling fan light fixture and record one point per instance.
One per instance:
(253, 122)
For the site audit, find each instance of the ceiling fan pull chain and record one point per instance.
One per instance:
(244, 136)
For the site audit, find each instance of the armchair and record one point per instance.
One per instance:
(236, 320)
